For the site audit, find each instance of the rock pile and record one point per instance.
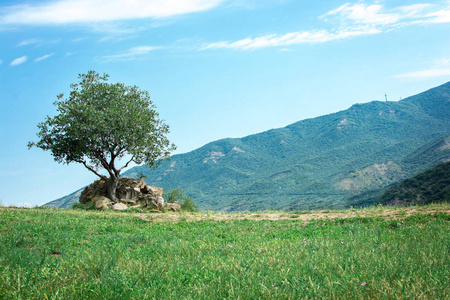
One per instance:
(129, 193)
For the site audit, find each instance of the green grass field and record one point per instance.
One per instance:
(74, 254)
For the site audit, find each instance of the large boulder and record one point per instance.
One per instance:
(102, 202)
(175, 206)
(129, 191)
(119, 206)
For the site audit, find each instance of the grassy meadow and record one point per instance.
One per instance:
(376, 253)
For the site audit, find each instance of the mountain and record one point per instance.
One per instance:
(66, 201)
(431, 186)
(335, 160)
(374, 180)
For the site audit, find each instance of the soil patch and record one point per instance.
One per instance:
(387, 213)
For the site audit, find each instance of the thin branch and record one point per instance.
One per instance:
(91, 169)
(126, 165)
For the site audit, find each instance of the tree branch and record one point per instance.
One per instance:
(104, 163)
(126, 165)
(91, 169)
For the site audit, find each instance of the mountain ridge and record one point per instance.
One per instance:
(298, 165)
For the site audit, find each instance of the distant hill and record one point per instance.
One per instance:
(432, 186)
(66, 201)
(374, 180)
(336, 160)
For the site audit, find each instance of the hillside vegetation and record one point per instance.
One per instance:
(316, 163)
(376, 253)
(346, 158)
(432, 186)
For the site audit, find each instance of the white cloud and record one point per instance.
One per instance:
(425, 73)
(37, 42)
(364, 14)
(132, 53)
(350, 20)
(441, 16)
(292, 38)
(88, 11)
(43, 57)
(28, 42)
(19, 60)
(378, 15)
(439, 67)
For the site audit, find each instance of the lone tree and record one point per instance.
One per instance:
(101, 123)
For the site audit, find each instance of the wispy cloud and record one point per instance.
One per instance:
(378, 15)
(43, 57)
(19, 60)
(440, 16)
(349, 20)
(28, 42)
(425, 73)
(439, 68)
(37, 42)
(132, 53)
(363, 14)
(301, 37)
(88, 11)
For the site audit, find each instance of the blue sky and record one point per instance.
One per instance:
(214, 68)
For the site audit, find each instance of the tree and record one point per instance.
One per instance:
(102, 123)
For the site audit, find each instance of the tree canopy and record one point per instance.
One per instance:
(102, 123)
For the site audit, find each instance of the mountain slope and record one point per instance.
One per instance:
(369, 184)
(298, 165)
(66, 201)
(431, 186)
(305, 165)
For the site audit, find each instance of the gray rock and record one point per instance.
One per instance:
(130, 191)
(119, 206)
(173, 206)
(102, 202)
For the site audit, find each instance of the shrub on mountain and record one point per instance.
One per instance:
(186, 202)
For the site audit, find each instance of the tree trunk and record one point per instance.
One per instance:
(111, 187)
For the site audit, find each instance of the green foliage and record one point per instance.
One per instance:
(431, 186)
(100, 123)
(90, 205)
(74, 254)
(141, 175)
(186, 202)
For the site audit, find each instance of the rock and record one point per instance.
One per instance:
(130, 191)
(119, 206)
(98, 188)
(129, 188)
(153, 201)
(154, 190)
(173, 206)
(130, 201)
(145, 189)
(101, 202)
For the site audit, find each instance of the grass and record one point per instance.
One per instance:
(74, 254)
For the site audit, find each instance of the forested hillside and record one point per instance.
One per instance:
(431, 186)
(341, 159)
(316, 162)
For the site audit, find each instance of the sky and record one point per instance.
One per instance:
(213, 68)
